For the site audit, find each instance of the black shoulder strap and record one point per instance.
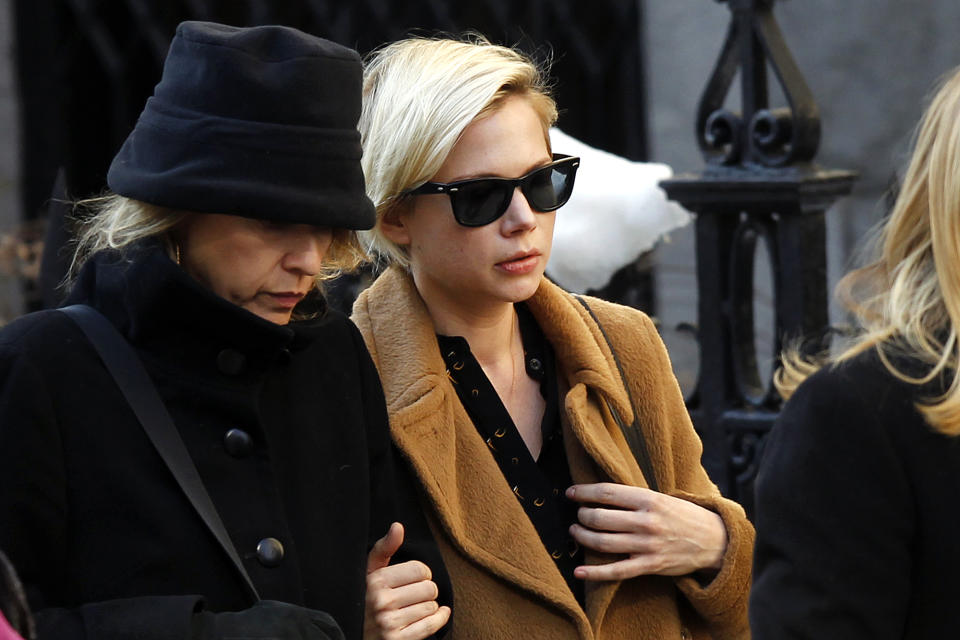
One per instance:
(128, 372)
(633, 434)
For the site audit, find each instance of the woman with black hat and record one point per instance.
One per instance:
(236, 459)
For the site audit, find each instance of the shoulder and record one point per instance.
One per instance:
(630, 331)
(861, 385)
(616, 314)
(43, 355)
(616, 319)
(38, 333)
(845, 410)
(335, 333)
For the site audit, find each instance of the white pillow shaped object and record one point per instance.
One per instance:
(617, 211)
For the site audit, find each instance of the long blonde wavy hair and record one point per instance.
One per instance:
(113, 221)
(906, 300)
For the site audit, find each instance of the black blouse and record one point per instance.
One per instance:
(538, 484)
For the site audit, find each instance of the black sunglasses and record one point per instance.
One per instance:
(480, 201)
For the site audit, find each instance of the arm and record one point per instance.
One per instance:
(403, 600)
(37, 525)
(834, 515)
(689, 527)
(33, 529)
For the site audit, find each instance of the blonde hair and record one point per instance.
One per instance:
(419, 94)
(115, 222)
(907, 299)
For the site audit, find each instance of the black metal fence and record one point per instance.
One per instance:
(760, 190)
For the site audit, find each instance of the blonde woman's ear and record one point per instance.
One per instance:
(393, 226)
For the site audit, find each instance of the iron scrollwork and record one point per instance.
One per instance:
(757, 134)
(760, 187)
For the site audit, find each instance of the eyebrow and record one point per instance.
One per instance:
(481, 176)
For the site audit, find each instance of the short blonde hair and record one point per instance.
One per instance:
(115, 222)
(419, 94)
(907, 298)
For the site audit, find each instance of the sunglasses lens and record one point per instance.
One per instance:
(549, 188)
(481, 202)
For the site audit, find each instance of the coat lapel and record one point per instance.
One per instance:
(588, 370)
(596, 449)
(460, 477)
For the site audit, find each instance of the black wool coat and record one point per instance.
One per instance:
(857, 513)
(287, 428)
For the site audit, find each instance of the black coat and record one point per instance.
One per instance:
(286, 425)
(857, 514)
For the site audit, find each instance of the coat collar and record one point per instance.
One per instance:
(159, 308)
(461, 479)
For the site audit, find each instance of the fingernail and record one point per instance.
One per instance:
(571, 491)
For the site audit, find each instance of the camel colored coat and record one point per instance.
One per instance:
(505, 584)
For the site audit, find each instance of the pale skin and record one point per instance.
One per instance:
(401, 599)
(658, 534)
(470, 279)
(264, 267)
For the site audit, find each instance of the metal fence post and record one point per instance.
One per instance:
(760, 187)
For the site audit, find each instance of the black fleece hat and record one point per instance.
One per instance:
(258, 122)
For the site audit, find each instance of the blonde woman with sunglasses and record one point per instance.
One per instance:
(501, 388)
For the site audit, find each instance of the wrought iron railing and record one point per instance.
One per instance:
(760, 188)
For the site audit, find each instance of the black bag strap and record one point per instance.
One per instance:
(128, 372)
(633, 434)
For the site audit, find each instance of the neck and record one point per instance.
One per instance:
(493, 332)
(487, 324)
(490, 334)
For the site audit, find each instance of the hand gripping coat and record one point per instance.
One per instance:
(505, 584)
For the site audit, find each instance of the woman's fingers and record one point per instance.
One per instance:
(613, 495)
(426, 627)
(398, 575)
(659, 533)
(619, 570)
(385, 547)
(619, 520)
(397, 619)
(398, 589)
(608, 542)
(415, 622)
(401, 603)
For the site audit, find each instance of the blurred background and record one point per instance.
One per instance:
(74, 75)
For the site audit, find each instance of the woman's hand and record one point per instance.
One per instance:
(401, 599)
(659, 534)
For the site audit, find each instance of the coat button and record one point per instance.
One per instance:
(230, 362)
(284, 356)
(238, 443)
(269, 552)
